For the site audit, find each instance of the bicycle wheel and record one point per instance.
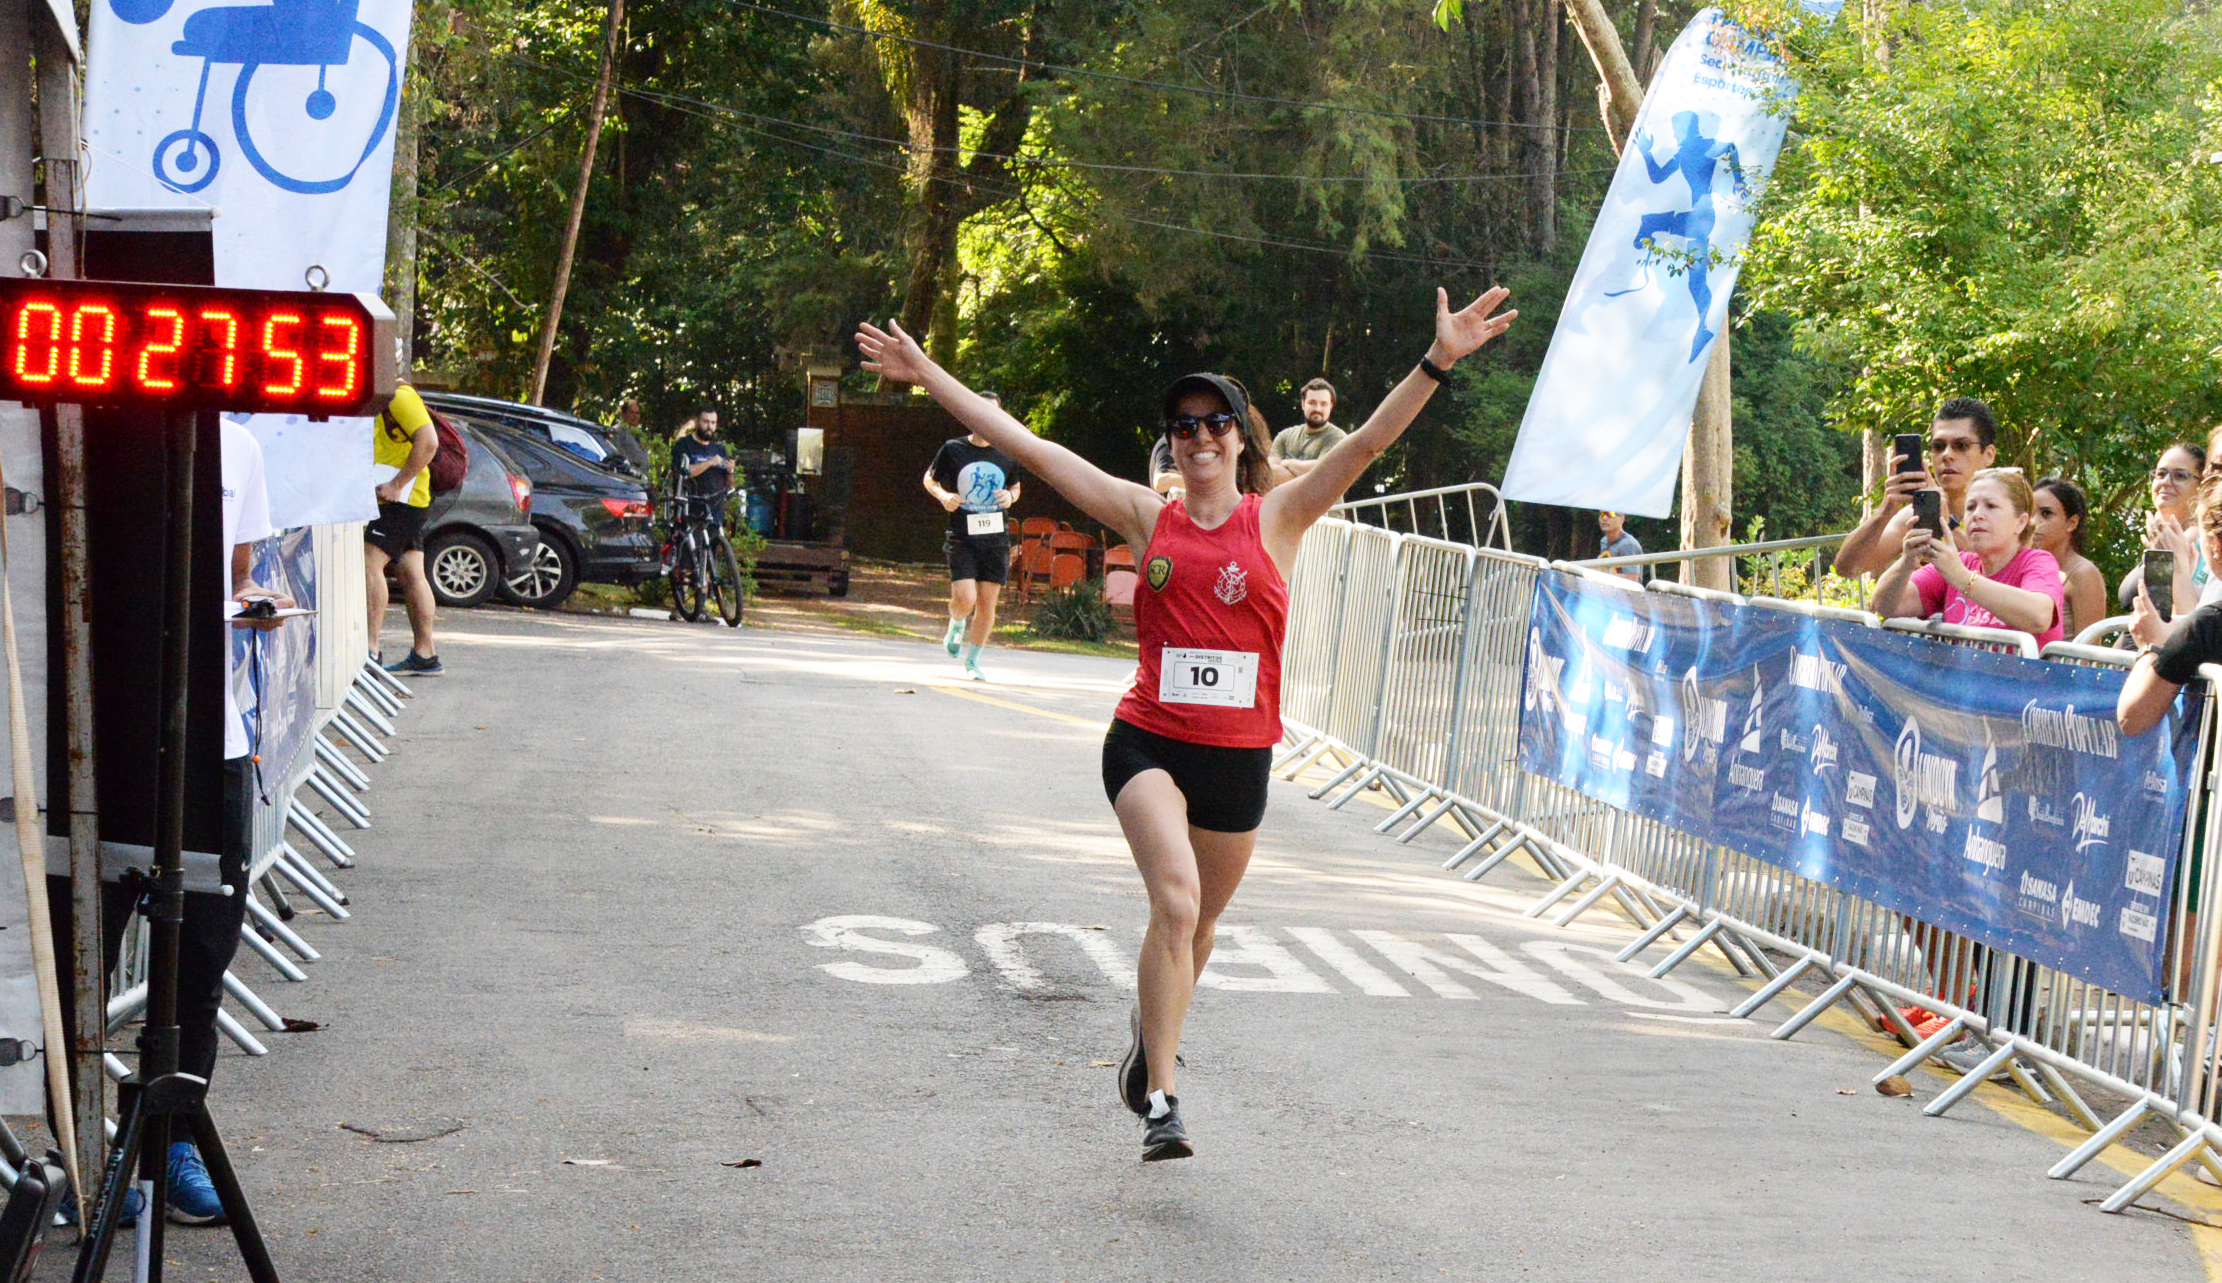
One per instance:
(725, 581)
(686, 580)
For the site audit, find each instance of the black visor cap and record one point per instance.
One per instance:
(1227, 390)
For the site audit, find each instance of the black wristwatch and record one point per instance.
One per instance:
(1434, 371)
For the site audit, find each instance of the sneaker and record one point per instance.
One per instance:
(1134, 1071)
(417, 666)
(1966, 1054)
(193, 1198)
(134, 1202)
(1162, 1135)
(972, 663)
(954, 637)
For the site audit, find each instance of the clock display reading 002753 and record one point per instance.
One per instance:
(187, 347)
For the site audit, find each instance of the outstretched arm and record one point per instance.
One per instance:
(1124, 506)
(1659, 173)
(1290, 509)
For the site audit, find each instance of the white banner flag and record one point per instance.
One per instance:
(281, 117)
(1611, 408)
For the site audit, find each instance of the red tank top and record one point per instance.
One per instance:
(1210, 612)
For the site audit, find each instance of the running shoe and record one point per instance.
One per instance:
(1162, 1135)
(417, 666)
(193, 1198)
(1134, 1071)
(1966, 1054)
(954, 637)
(972, 670)
(134, 1203)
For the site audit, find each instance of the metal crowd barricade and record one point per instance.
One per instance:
(1446, 512)
(1404, 669)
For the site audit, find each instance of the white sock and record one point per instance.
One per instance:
(1159, 1106)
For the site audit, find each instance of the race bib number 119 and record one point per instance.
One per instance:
(1222, 677)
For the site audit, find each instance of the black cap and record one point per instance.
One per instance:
(1228, 390)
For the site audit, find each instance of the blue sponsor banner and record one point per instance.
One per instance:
(281, 663)
(1991, 795)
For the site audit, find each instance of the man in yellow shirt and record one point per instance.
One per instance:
(404, 439)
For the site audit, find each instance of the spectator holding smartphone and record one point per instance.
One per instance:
(1987, 576)
(1963, 440)
(2059, 528)
(2168, 657)
(2173, 525)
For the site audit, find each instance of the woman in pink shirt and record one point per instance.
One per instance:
(1991, 578)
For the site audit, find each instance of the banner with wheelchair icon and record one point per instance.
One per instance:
(1610, 412)
(281, 116)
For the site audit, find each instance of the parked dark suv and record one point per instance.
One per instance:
(480, 533)
(613, 448)
(593, 523)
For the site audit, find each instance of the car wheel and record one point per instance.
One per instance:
(463, 568)
(549, 578)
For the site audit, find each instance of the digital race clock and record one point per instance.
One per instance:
(192, 347)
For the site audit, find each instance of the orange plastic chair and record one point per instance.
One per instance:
(1119, 558)
(1036, 528)
(1067, 568)
(1071, 541)
(1035, 568)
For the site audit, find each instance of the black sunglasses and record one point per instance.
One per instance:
(1186, 426)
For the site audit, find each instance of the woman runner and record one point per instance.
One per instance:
(1189, 750)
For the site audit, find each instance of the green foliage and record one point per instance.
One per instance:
(2011, 199)
(1075, 612)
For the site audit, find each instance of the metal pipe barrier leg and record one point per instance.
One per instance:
(1582, 906)
(384, 700)
(277, 896)
(1397, 816)
(2167, 1165)
(379, 675)
(367, 744)
(1924, 1049)
(229, 1026)
(1812, 1010)
(1772, 989)
(1500, 855)
(291, 858)
(329, 789)
(1297, 763)
(1689, 946)
(294, 874)
(356, 700)
(1560, 892)
(320, 834)
(1336, 781)
(1651, 937)
(1449, 806)
(283, 965)
(1376, 776)
(286, 935)
(1466, 852)
(2070, 1099)
(2099, 1141)
(255, 1006)
(335, 761)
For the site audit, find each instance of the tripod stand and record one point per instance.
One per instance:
(157, 1099)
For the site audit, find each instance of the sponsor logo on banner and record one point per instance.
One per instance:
(1812, 820)
(2139, 923)
(1628, 633)
(1990, 799)
(2065, 728)
(1655, 766)
(1923, 780)
(1855, 830)
(1704, 719)
(1985, 850)
(1784, 813)
(2043, 899)
(2045, 813)
(1623, 761)
(1662, 731)
(1816, 674)
(1601, 752)
(1546, 693)
(2077, 912)
(2091, 825)
(2144, 874)
(1753, 722)
(1823, 755)
(1790, 742)
(2155, 783)
(1859, 789)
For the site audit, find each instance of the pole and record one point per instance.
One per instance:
(578, 204)
(58, 133)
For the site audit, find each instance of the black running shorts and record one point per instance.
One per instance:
(986, 558)
(1225, 787)
(399, 529)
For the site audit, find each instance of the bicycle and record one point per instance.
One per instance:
(703, 571)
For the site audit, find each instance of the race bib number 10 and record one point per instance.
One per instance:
(1222, 677)
(983, 523)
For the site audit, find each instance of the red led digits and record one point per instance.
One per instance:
(171, 345)
(26, 341)
(185, 347)
(273, 352)
(82, 339)
(348, 333)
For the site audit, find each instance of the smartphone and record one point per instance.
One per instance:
(1928, 511)
(1908, 446)
(2160, 581)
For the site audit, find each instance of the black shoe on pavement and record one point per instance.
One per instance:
(1162, 1135)
(1134, 1071)
(418, 666)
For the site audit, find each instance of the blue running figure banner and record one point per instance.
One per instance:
(1991, 795)
(1610, 411)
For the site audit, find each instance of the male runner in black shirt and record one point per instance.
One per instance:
(974, 482)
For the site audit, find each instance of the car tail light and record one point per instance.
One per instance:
(628, 508)
(521, 490)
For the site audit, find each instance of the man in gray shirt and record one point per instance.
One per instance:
(1297, 450)
(1613, 540)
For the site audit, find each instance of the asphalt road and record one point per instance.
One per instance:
(646, 901)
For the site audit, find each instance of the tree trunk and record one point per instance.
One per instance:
(1543, 143)
(401, 225)
(1646, 59)
(614, 32)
